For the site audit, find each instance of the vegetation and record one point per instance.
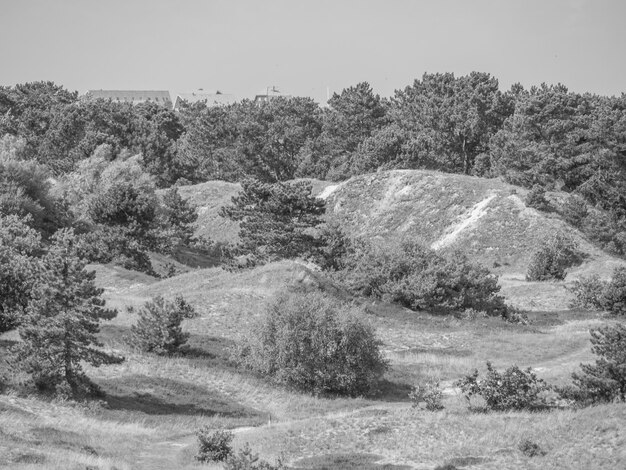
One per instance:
(552, 259)
(428, 393)
(514, 389)
(158, 329)
(593, 293)
(605, 380)
(276, 220)
(245, 459)
(314, 343)
(420, 278)
(536, 198)
(60, 325)
(214, 446)
(20, 246)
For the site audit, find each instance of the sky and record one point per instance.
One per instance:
(310, 47)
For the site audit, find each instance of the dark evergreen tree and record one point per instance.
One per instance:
(60, 327)
(276, 220)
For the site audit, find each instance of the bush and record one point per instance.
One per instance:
(213, 446)
(420, 278)
(614, 297)
(589, 292)
(553, 258)
(574, 210)
(531, 449)
(314, 343)
(158, 329)
(429, 393)
(514, 389)
(536, 198)
(246, 460)
(605, 380)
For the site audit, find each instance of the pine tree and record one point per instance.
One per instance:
(276, 220)
(606, 379)
(62, 320)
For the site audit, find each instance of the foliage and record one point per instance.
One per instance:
(514, 389)
(158, 329)
(428, 393)
(605, 380)
(536, 198)
(314, 343)
(60, 327)
(614, 296)
(420, 278)
(448, 121)
(25, 189)
(574, 210)
(213, 446)
(245, 459)
(20, 246)
(555, 255)
(589, 292)
(531, 449)
(276, 220)
(177, 217)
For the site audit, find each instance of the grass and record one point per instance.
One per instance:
(153, 405)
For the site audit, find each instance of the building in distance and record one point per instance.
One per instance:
(209, 98)
(268, 94)
(161, 97)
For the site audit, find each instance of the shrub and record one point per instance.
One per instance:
(605, 380)
(574, 210)
(314, 343)
(531, 449)
(429, 393)
(514, 389)
(247, 460)
(553, 258)
(158, 328)
(614, 297)
(589, 292)
(536, 198)
(213, 446)
(420, 278)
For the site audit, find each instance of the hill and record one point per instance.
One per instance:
(485, 218)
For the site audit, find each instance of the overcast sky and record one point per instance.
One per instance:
(306, 46)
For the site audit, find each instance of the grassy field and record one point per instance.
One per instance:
(152, 406)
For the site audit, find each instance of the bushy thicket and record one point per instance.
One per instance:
(315, 343)
(20, 248)
(593, 293)
(552, 259)
(536, 198)
(604, 381)
(214, 446)
(513, 389)
(420, 278)
(159, 326)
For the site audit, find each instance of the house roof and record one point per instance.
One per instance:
(158, 96)
(211, 99)
(271, 92)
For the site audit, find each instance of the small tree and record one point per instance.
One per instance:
(315, 343)
(606, 379)
(213, 446)
(276, 220)
(159, 329)
(614, 296)
(62, 320)
(536, 198)
(552, 259)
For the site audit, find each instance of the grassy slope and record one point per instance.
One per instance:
(153, 404)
